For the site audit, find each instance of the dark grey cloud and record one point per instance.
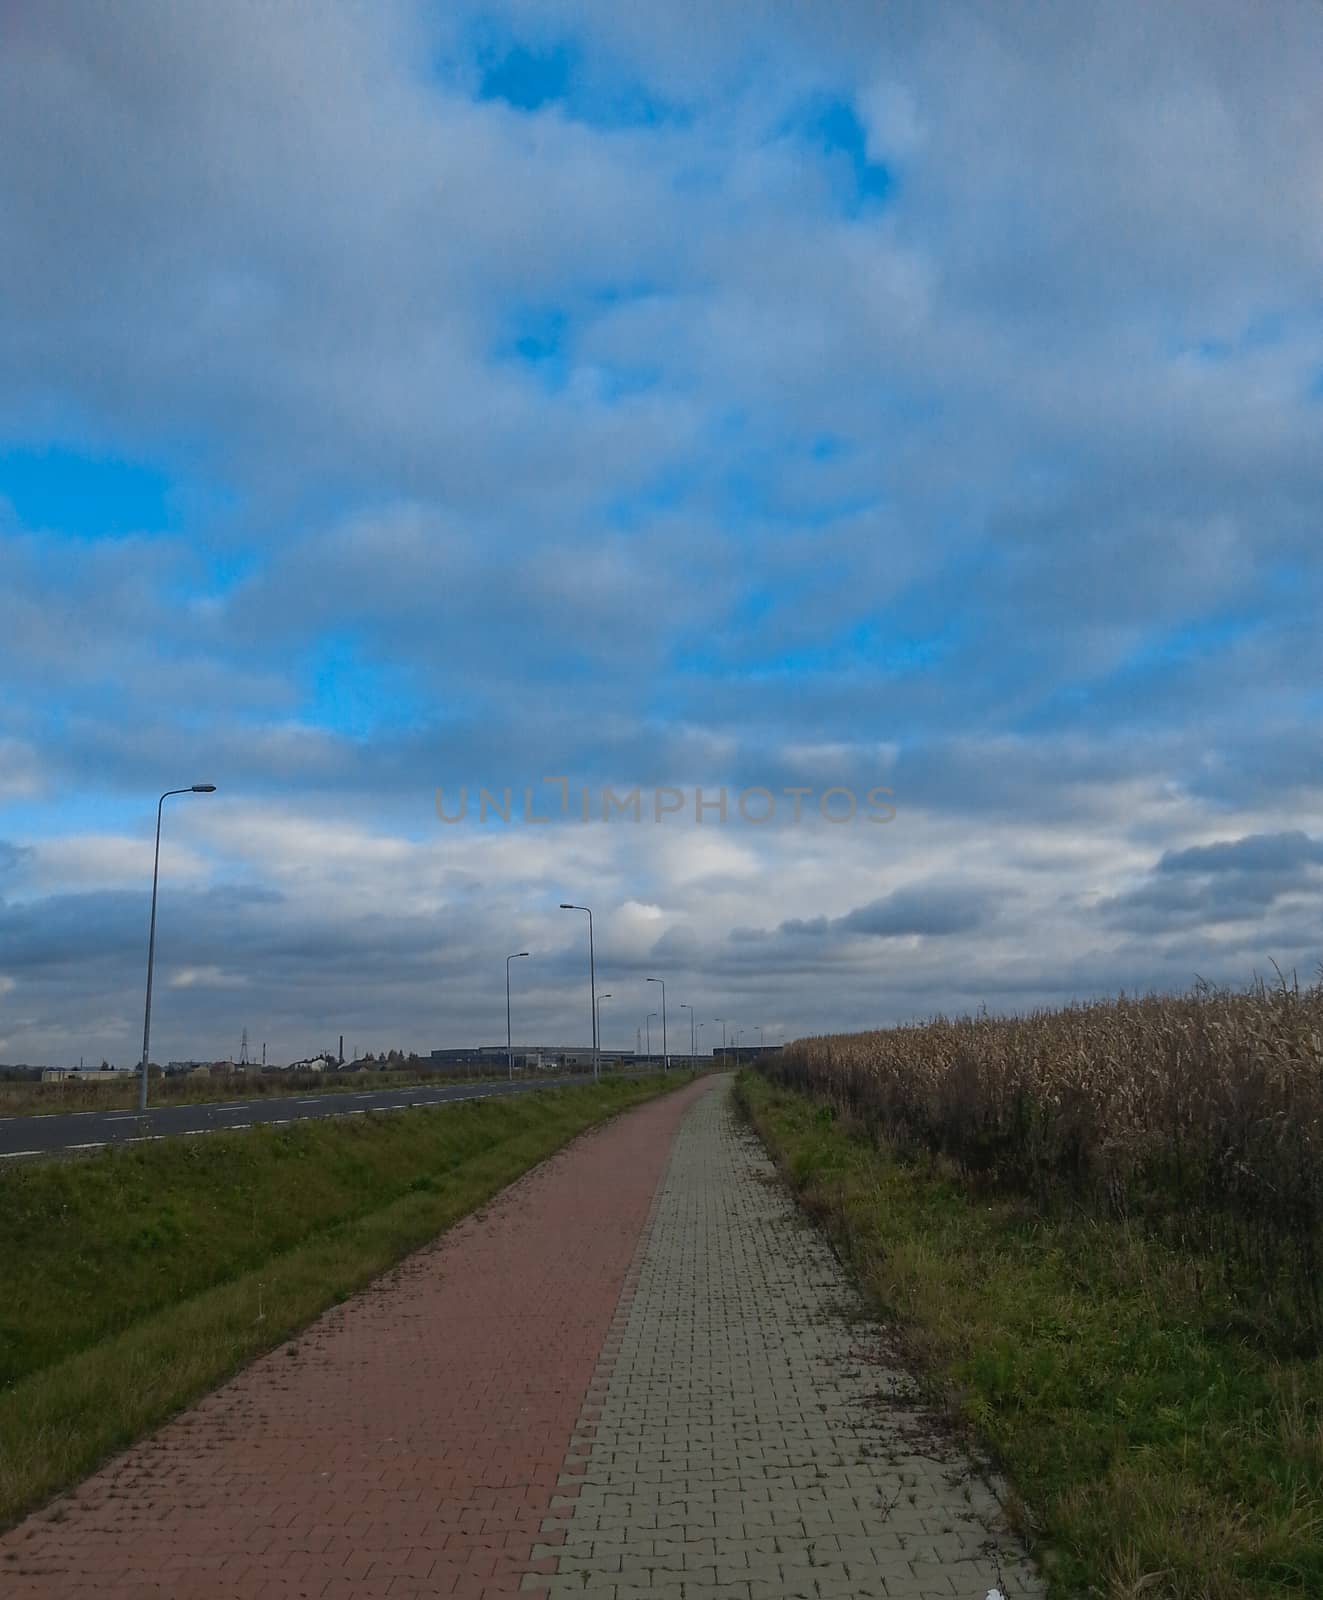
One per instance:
(1232, 880)
(11, 858)
(1278, 854)
(235, 957)
(933, 910)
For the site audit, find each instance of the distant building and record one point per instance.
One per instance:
(527, 1058)
(91, 1075)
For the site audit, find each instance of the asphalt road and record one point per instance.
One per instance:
(56, 1133)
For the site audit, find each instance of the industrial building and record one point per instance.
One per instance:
(527, 1058)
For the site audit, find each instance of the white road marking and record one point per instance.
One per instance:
(438, 1096)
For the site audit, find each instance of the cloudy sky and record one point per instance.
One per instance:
(407, 396)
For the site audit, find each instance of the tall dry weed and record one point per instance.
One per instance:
(1200, 1115)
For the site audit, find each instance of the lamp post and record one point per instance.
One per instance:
(195, 788)
(647, 1024)
(592, 979)
(684, 1006)
(600, 998)
(701, 1026)
(722, 1021)
(666, 1057)
(509, 1042)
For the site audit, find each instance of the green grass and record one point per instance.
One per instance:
(138, 1279)
(1155, 1445)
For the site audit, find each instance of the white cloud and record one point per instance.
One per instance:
(20, 774)
(206, 978)
(892, 121)
(107, 861)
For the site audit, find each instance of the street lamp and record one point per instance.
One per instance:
(600, 998)
(701, 1026)
(666, 1058)
(509, 1043)
(684, 1006)
(195, 788)
(647, 1023)
(722, 1021)
(592, 979)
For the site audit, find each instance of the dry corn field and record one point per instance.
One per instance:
(1200, 1116)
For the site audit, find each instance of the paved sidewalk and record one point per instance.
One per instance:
(408, 1443)
(745, 1439)
(638, 1373)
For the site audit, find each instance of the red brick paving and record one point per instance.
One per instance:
(413, 1445)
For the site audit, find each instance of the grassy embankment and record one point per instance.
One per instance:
(139, 1279)
(1093, 1230)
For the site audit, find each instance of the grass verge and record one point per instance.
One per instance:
(1155, 1447)
(139, 1279)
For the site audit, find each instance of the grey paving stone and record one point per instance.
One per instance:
(751, 1442)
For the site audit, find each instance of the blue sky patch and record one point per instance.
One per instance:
(351, 693)
(534, 77)
(529, 79)
(833, 126)
(93, 497)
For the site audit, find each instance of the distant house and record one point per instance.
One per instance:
(93, 1076)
